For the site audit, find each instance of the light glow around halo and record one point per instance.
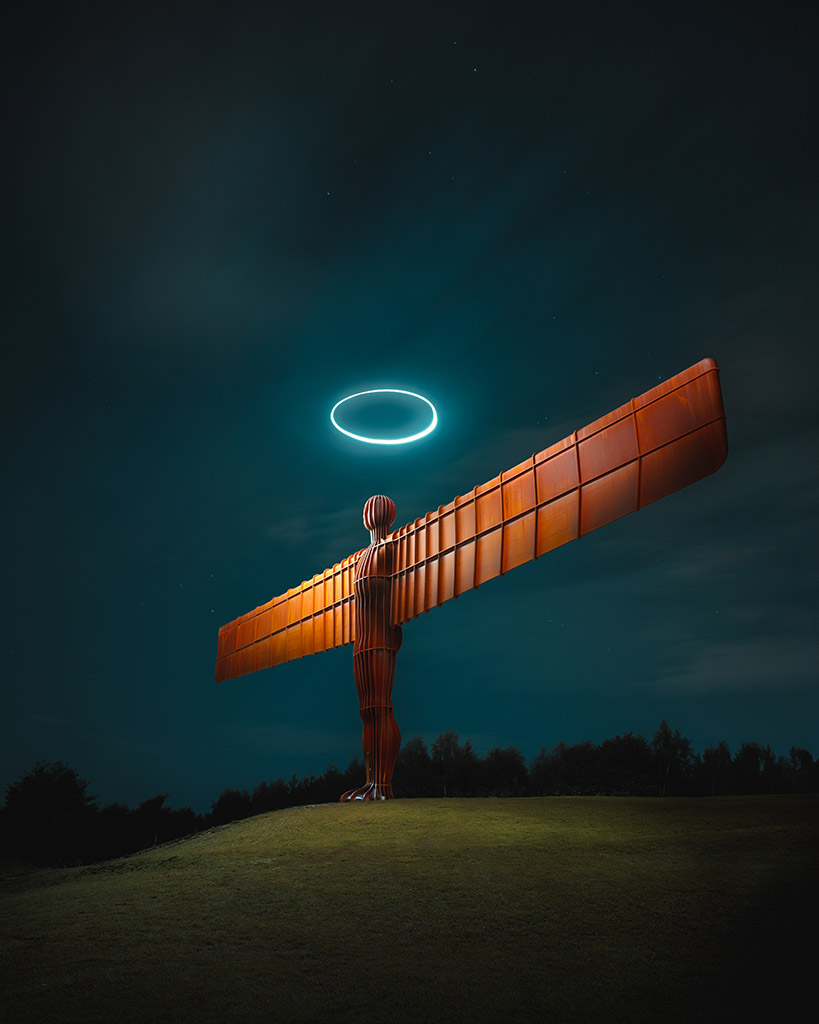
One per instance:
(433, 423)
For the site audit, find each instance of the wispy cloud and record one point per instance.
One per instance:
(757, 664)
(330, 534)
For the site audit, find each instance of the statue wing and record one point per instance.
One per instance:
(669, 437)
(314, 616)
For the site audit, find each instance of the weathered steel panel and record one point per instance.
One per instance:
(518, 541)
(431, 593)
(465, 517)
(609, 448)
(246, 633)
(447, 523)
(263, 654)
(558, 522)
(263, 624)
(556, 473)
(489, 506)
(446, 578)
(684, 461)
(464, 567)
(519, 493)
(608, 498)
(488, 556)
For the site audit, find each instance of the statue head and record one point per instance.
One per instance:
(379, 515)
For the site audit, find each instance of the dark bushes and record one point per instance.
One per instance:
(50, 820)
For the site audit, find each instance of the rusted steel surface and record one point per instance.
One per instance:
(376, 644)
(312, 617)
(669, 437)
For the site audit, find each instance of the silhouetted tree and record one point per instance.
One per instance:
(674, 760)
(715, 769)
(802, 770)
(353, 776)
(566, 771)
(755, 770)
(468, 773)
(300, 790)
(540, 775)
(182, 821)
(270, 796)
(49, 816)
(455, 768)
(774, 772)
(625, 766)
(327, 788)
(414, 771)
(504, 773)
(112, 832)
(231, 805)
(154, 823)
(149, 820)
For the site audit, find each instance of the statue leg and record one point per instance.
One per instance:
(381, 738)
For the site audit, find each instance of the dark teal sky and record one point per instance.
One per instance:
(224, 219)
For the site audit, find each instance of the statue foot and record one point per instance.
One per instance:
(372, 791)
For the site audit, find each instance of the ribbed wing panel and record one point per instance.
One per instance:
(313, 617)
(670, 437)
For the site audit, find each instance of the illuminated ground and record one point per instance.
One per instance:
(556, 909)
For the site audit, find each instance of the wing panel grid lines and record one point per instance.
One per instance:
(663, 440)
(306, 619)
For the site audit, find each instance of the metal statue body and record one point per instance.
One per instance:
(374, 650)
(666, 439)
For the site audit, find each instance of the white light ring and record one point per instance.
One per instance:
(383, 440)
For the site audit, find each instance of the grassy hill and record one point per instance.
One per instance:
(555, 909)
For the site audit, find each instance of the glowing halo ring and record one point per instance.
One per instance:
(433, 423)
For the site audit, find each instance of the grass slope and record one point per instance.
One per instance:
(556, 909)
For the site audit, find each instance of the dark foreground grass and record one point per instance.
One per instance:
(576, 909)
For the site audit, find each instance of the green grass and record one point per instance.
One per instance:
(555, 909)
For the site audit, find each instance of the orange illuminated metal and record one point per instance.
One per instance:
(669, 437)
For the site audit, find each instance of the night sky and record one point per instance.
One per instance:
(221, 219)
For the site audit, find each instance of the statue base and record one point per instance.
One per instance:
(372, 791)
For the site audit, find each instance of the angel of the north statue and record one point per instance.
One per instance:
(662, 441)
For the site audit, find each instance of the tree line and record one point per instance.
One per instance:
(50, 820)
